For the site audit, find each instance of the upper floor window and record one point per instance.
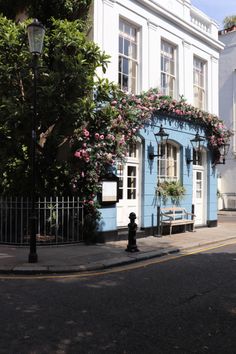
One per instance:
(168, 162)
(168, 69)
(199, 83)
(128, 57)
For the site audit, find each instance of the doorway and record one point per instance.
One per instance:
(129, 186)
(200, 190)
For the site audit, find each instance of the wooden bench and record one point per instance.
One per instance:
(175, 216)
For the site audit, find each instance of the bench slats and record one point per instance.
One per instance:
(175, 216)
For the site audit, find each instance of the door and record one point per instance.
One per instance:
(199, 196)
(129, 187)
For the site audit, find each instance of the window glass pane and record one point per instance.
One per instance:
(120, 80)
(126, 28)
(133, 70)
(125, 82)
(131, 193)
(121, 50)
(120, 64)
(131, 182)
(120, 172)
(134, 50)
(128, 52)
(174, 152)
(125, 66)
(132, 150)
(167, 163)
(199, 176)
(199, 83)
(172, 67)
(133, 85)
(126, 47)
(133, 33)
(175, 169)
(168, 78)
(131, 171)
(162, 63)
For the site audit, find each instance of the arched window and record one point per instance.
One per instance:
(168, 162)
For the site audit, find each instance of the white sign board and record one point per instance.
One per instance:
(109, 191)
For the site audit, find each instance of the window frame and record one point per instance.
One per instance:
(168, 90)
(128, 65)
(165, 161)
(199, 82)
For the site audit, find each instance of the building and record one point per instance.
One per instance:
(172, 46)
(227, 102)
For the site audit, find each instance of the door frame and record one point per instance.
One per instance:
(138, 163)
(203, 169)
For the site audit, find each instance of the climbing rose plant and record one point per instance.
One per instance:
(104, 140)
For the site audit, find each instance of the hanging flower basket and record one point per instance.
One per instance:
(173, 190)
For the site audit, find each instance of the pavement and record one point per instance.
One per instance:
(85, 258)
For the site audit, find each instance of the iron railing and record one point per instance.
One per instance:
(228, 201)
(59, 220)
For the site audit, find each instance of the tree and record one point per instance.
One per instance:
(79, 127)
(44, 9)
(229, 21)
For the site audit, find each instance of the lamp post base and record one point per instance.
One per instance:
(33, 258)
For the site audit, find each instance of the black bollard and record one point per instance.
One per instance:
(132, 247)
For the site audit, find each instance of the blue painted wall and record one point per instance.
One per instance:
(108, 219)
(180, 133)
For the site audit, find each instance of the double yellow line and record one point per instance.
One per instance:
(119, 269)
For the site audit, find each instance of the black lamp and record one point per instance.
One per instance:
(161, 138)
(196, 145)
(36, 32)
(224, 149)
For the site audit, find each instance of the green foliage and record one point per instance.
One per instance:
(65, 101)
(11, 8)
(229, 21)
(44, 10)
(170, 189)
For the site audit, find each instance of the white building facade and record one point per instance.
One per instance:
(172, 46)
(157, 29)
(227, 109)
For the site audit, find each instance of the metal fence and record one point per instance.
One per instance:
(59, 220)
(228, 201)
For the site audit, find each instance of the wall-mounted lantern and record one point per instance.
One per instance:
(224, 149)
(161, 139)
(196, 145)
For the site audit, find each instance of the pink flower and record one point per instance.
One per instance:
(77, 154)
(96, 136)
(122, 140)
(101, 136)
(86, 132)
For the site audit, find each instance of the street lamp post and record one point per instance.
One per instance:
(36, 32)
